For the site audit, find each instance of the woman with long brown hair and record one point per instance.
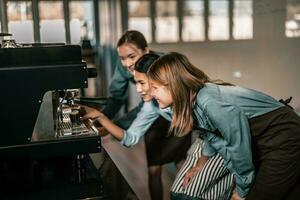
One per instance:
(258, 137)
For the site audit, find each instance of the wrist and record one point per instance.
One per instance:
(99, 117)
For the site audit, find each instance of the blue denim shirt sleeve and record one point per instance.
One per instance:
(207, 149)
(118, 90)
(140, 125)
(235, 146)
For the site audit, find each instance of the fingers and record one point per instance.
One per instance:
(186, 182)
(235, 196)
(187, 179)
(90, 113)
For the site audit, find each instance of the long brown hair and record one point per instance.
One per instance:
(184, 80)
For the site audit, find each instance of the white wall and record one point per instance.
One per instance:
(269, 63)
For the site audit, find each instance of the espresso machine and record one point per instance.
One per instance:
(45, 146)
(39, 117)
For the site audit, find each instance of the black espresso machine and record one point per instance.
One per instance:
(39, 118)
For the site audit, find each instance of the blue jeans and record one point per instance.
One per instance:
(179, 196)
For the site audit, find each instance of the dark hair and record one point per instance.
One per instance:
(143, 64)
(133, 37)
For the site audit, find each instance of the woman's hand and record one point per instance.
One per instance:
(91, 113)
(236, 196)
(108, 126)
(103, 131)
(189, 176)
(194, 170)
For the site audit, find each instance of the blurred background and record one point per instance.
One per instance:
(252, 43)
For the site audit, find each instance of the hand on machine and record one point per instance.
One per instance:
(92, 114)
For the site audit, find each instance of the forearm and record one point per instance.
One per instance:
(201, 162)
(191, 173)
(113, 129)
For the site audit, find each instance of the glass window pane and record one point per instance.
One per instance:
(193, 21)
(166, 21)
(110, 23)
(52, 23)
(20, 23)
(104, 22)
(292, 23)
(139, 17)
(218, 20)
(243, 19)
(81, 21)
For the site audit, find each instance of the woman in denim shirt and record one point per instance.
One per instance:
(258, 137)
(161, 148)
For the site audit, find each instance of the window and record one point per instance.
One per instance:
(166, 21)
(139, 17)
(20, 23)
(104, 22)
(243, 19)
(292, 24)
(81, 21)
(218, 20)
(193, 21)
(52, 23)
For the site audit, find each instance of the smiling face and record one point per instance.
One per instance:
(161, 94)
(142, 85)
(129, 54)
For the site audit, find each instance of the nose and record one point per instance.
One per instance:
(138, 88)
(128, 64)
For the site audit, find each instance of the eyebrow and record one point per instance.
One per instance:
(131, 54)
(139, 81)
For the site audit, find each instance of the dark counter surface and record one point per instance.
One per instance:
(62, 178)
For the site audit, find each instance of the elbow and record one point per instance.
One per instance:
(127, 146)
(129, 142)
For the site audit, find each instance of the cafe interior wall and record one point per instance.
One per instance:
(270, 62)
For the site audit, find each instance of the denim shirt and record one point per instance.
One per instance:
(223, 108)
(118, 90)
(227, 109)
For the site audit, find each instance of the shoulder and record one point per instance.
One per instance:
(208, 94)
(214, 100)
(149, 106)
(157, 53)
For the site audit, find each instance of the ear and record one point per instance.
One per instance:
(147, 50)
